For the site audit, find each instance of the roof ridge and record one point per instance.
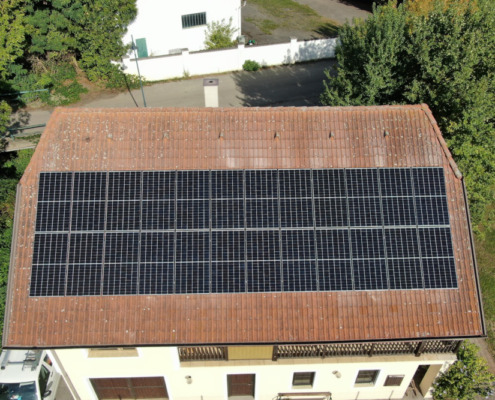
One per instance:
(214, 109)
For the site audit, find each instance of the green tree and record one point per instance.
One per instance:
(12, 37)
(5, 111)
(220, 35)
(12, 28)
(467, 378)
(442, 56)
(90, 31)
(100, 39)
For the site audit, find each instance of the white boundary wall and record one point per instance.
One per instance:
(225, 60)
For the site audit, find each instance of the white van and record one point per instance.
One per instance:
(27, 375)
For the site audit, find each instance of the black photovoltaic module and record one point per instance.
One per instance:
(231, 231)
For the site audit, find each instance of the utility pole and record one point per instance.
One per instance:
(137, 65)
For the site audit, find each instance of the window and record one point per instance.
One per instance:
(367, 377)
(304, 379)
(240, 385)
(190, 20)
(393, 380)
(43, 379)
(130, 388)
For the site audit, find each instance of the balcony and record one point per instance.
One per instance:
(215, 353)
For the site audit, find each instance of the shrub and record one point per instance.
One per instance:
(467, 378)
(251, 65)
(119, 80)
(219, 35)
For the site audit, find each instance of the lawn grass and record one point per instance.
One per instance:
(288, 13)
(267, 26)
(485, 251)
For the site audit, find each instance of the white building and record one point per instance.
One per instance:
(248, 253)
(164, 27)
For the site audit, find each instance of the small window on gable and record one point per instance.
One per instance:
(304, 379)
(393, 380)
(367, 377)
(190, 20)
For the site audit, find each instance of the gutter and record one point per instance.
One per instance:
(10, 280)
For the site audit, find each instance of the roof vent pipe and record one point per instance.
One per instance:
(386, 133)
(210, 86)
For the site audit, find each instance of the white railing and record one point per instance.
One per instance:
(226, 60)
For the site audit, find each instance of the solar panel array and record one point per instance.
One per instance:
(231, 231)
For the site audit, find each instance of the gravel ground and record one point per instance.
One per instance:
(339, 11)
(252, 12)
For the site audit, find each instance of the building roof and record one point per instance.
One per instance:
(240, 138)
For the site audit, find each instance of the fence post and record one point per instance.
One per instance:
(293, 50)
(185, 61)
(240, 56)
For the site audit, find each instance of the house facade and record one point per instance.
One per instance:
(162, 28)
(250, 372)
(247, 253)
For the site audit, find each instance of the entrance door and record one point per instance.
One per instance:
(240, 386)
(425, 376)
(130, 388)
(420, 374)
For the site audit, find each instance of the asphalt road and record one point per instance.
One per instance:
(294, 85)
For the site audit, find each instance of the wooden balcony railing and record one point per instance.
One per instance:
(207, 353)
(365, 349)
(211, 353)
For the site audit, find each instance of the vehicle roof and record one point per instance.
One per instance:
(16, 371)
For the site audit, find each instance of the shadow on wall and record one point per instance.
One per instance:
(312, 50)
(283, 86)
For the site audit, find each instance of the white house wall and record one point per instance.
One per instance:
(160, 23)
(209, 379)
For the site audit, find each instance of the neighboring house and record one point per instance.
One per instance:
(295, 253)
(163, 27)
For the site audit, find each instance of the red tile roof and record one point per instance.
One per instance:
(240, 138)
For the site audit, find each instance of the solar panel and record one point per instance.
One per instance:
(157, 278)
(228, 277)
(90, 186)
(263, 276)
(84, 280)
(299, 276)
(232, 231)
